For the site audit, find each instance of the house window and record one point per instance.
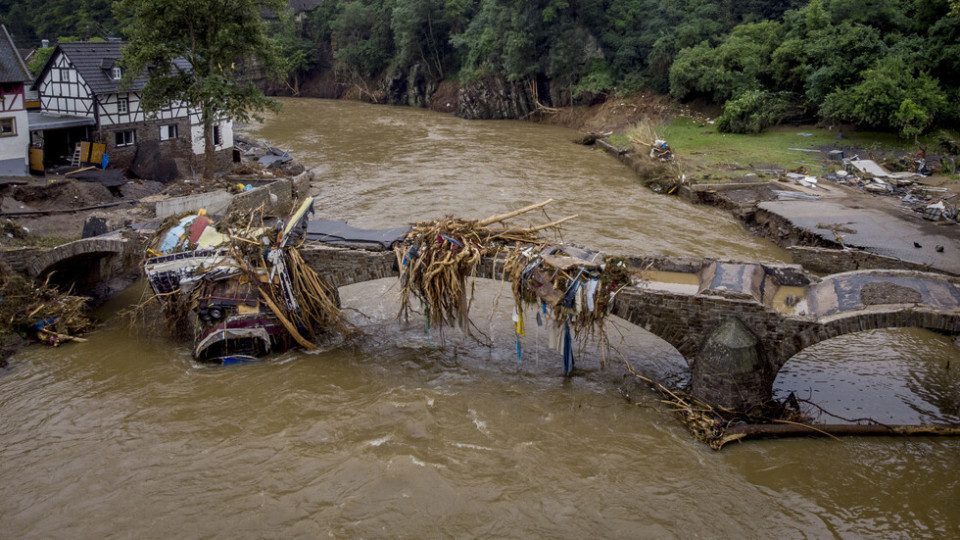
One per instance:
(117, 73)
(217, 137)
(8, 127)
(168, 132)
(123, 105)
(126, 137)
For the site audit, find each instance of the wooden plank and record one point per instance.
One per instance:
(85, 152)
(79, 170)
(36, 159)
(96, 153)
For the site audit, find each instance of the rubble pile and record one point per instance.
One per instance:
(263, 157)
(41, 311)
(243, 290)
(933, 203)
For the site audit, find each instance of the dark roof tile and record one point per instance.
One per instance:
(12, 68)
(94, 60)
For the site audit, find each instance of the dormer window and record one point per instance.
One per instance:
(116, 73)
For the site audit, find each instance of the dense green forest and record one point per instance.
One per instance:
(888, 64)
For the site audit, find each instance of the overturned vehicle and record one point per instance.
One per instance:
(241, 292)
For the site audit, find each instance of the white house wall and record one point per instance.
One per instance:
(13, 150)
(226, 135)
(63, 91)
(12, 102)
(110, 115)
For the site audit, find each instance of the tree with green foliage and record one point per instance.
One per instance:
(29, 21)
(218, 39)
(811, 53)
(39, 60)
(755, 110)
(892, 94)
(298, 55)
(740, 63)
(361, 41)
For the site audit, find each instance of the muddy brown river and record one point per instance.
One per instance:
(410, 434)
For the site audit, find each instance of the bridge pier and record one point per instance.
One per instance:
(731, 370)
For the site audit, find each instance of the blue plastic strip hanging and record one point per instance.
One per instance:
(453, 240)
(568, 360)
(519, 351)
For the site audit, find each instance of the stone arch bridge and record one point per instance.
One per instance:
(81, 264)
(735, 323)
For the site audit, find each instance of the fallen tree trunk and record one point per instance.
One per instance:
(493, 219)
(750, 431)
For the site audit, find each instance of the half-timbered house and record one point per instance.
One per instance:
(14, 126)
(84, 80)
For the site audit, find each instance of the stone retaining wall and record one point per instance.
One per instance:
(277, 198)
(835, 261)
(19, 258)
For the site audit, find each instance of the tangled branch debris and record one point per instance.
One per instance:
(436, 257)
(573, 286)
(41, 310)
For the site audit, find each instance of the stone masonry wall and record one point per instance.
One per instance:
(343, 267)
(277, 198)
(179, 149)
(20, 258)
(835, 261)
(685, 320)
(122, 157)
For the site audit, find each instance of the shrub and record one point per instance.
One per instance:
(755, 110)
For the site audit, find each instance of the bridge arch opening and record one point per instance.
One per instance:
(905, 375)
(373, 306)
(82, 274)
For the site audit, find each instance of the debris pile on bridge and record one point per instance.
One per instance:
(241, 291)
(41, 310)
(436, 257)
(573, 286)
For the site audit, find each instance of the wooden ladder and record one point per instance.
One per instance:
(75, 160)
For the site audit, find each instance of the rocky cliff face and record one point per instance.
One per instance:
(414, 87)
(486, 99)
(494, 99)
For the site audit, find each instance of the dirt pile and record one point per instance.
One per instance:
(62, 195)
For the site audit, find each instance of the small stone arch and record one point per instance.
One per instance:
(86, 246)
(874, 319)
(79, 265)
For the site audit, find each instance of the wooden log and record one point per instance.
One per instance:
(286, 323)
(493, 219)
(528, 230)
(61, 337)
(79, 170)
(749, 431)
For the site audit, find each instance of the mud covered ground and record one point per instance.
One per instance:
(55, 208)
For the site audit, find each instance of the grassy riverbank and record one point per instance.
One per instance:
(710, 156)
